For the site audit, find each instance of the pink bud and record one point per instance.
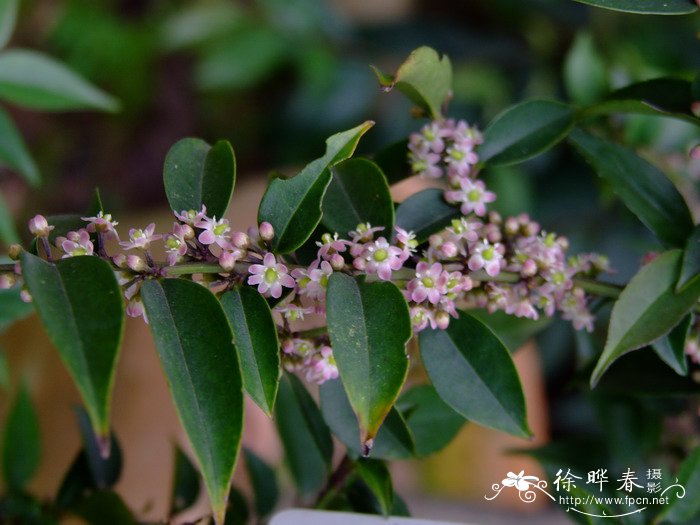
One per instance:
(7, 280)
(529, 268)
(359, 264)
(267, 232)
(25, 296)
(442, 320)
(449, 249)
(227, 260)
(435, 240)
(119, 260)
(337, 262)
(240, 240)
(136, 263)
(695, 152)
(187, 232)
(511, 226)
(39, 226)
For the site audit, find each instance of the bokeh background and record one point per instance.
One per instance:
(275, 77)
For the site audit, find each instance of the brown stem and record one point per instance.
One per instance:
(335, 482)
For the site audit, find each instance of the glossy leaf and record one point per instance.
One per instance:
(425, 78)
(667, 96)
(8, 19)
(432, 422)
(425, 213)
(80, 305)
(196, 173)
(376, 476)
(369, 327)
(104, 469)
(255, 337)
(585, 73)
(524, 131)
(307, 442)
(645, 7)
(358, 193)
(293, 206)
(393, 161)
(474, 374)
(684, 509)
(647, 309)
(671, 347)
(12, 308)
(264, 482)
(13, 151)
(393, 441)
(186, 483)
(195, 347)
(645, 190)
(690, 269)
(35, 81)
(21, 449)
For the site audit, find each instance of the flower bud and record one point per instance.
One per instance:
(359, 264)
(187, 232)
(15, 251)
(39, 226)
(25, 296)
(449, 249)
(529, 268)
(694, 153)
(7, 280)
(119, 260)
(531, 229)
(337, 262)
(240, 240)
(442, 319)
(435, 241)
(511, 226)
(267, 232)
(136, 263)
(227, 260)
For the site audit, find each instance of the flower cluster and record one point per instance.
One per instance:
(314, 360)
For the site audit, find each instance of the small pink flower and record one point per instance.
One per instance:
(430, 283)
(293, 312)
(175, 243)
(39, 226)
(270, 276)
(191, 217)
(215, 232)
(321, 366)
(229, 257)
(313, 281)
(77, 243)
(364, 232)
(135, 308)
(486, 256)
(102, 223)
(406, 240)
(330, 245)
(473, 196)
(421, 317)
(139, 238)
(381, 258)
(460, 158)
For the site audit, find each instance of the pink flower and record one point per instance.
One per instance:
(293, 312)
(381, 258)
(215, 232)
(460, 158)
(430, 283)
(364, 232)
(229, 257)
(421, 317)
(312, 281)
(270, 276)
(135, 308)
(39, 226)
(406, 240)
(175, 243)
(331, 245)
(473, 196)
(139, 238)
(486, 256)
(102, 223)
(77, 243)
(191, 217)
(321, 366)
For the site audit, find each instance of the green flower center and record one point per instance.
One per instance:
(488, 254)
(270, 275)
(324, 281)
(79, 251)
(429, 135)
(428, 282)
(474, 195)
(172, 243)
(381, 255)
(456, 154)
(303, 282)
(138, 234)
(220, 229)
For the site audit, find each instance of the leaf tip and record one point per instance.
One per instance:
(367, 445)
(104, 444)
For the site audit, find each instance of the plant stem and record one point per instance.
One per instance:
(601, 289)
(335, 483)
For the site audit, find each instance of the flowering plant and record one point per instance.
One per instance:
(336, 279)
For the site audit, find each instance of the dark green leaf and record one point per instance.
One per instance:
(393, 161)
(668, 97)
(646, 7)
(358, 193)
(237, 513)
(474, 374)
(13, 151)
(255, 337)
(35, 81)
(425, 78)
(690, 269)
(671, 348)
(647, 309)
(8, 232)
(4, 370)
(432, 422)
(195, 346)
(514, 332)
(394, 439)
(585, 74)
(76, 483)
(645, 190)
(293, 206)
(21, 448)
(12, 308)
(425, 213)
(79, 303)
(376, 476)
(306, 439)
(196, 173)
(186, 483)
(524, 131)
(369, 327)
(105, 508)
(8, 19)
(105, 470)
(683, 505)
(264, 482)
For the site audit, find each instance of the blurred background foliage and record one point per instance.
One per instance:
(275, 77)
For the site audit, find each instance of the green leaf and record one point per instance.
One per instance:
(264, 482)
(432, 422)
(76, 483)
(255, 337)
(645, 190)
(690, 269)
(425, 213)
(13, 151)
(683, 505)
(186, 483)
(194, 343)
(79, 303)
(4, 370)
(105, 469)
(196, 173)
(524, 131)
(307, 442)
(105, 508)
(671, 348)
(12, 308)
(393, 161)
(585, 74)
(667, 96)
(8, 232)
(293, 206)
(22, 442)
(8, 20)
(35, 81)
(425, 78)
(393, 441)
(647, 309)
(357, 193)
(376, 476)
(646, 7)
(514, 332)
(474, 374)
(369, 327)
